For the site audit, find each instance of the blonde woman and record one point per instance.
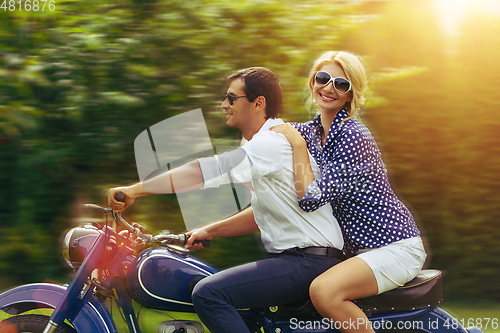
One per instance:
(378, 229)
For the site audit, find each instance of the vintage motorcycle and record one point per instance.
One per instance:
(158, 273)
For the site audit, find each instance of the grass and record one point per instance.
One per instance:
(476, 314)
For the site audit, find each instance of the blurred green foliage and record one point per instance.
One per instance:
(439, 130)
(77, 86)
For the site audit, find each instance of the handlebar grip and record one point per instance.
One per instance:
(204, 242)
(120, 196)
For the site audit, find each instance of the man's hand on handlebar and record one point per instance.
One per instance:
(118, 206)
(197, 234)
(120, 198)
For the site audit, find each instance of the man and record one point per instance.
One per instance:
(299, 245)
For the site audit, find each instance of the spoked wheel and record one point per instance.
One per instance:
(30, 324)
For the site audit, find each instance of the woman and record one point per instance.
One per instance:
(379, 230)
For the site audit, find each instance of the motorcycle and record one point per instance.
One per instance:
(158, 273)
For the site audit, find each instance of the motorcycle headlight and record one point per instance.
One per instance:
(77, 244)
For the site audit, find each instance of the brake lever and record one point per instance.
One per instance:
(118, 217)
(135, 231)
(105, 210)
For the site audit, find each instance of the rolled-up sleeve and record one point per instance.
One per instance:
(223, 169)
(311, 198)
(212, 176)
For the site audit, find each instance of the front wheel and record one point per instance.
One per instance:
(30, 324)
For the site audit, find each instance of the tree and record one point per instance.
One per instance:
(78, 84)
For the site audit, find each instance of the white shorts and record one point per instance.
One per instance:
(396, 263)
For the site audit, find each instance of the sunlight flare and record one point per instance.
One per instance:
(452, 12)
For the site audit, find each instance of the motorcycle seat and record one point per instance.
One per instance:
(424, 291)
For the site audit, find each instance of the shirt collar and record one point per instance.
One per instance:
(270, 123)
(341, 115)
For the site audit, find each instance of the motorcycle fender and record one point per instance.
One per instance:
(88, 316)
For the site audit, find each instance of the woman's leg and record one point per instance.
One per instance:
(332, 292)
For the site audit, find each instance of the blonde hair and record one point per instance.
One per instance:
(354, 71)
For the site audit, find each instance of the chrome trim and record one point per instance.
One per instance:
(132, 322)
(51, 327)
(99, 314)
(65, 247)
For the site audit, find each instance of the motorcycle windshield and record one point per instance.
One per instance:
(173, 142)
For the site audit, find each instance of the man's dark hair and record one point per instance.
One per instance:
(260, 81)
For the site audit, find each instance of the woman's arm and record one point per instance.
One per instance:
(353, 154)
(304, 175)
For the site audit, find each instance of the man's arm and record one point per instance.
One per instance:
(184, 178)
(239, 224)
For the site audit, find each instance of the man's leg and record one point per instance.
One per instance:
(276, 280)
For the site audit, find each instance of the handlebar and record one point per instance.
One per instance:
(168, 239)
(120, 196)
(180, 239)
(204, 242)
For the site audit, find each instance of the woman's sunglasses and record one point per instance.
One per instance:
(339, 83)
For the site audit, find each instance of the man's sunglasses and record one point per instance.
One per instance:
(339, 83)
(232, 98)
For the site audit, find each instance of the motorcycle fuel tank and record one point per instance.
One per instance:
(163, 279)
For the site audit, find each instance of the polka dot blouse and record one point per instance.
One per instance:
(354, 181)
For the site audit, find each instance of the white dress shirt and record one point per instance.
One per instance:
(267, 162)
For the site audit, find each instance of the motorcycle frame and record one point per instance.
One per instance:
(90, 315)
(431, 316)
(87, 312)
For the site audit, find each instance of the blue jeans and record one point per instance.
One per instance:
(277, 280)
